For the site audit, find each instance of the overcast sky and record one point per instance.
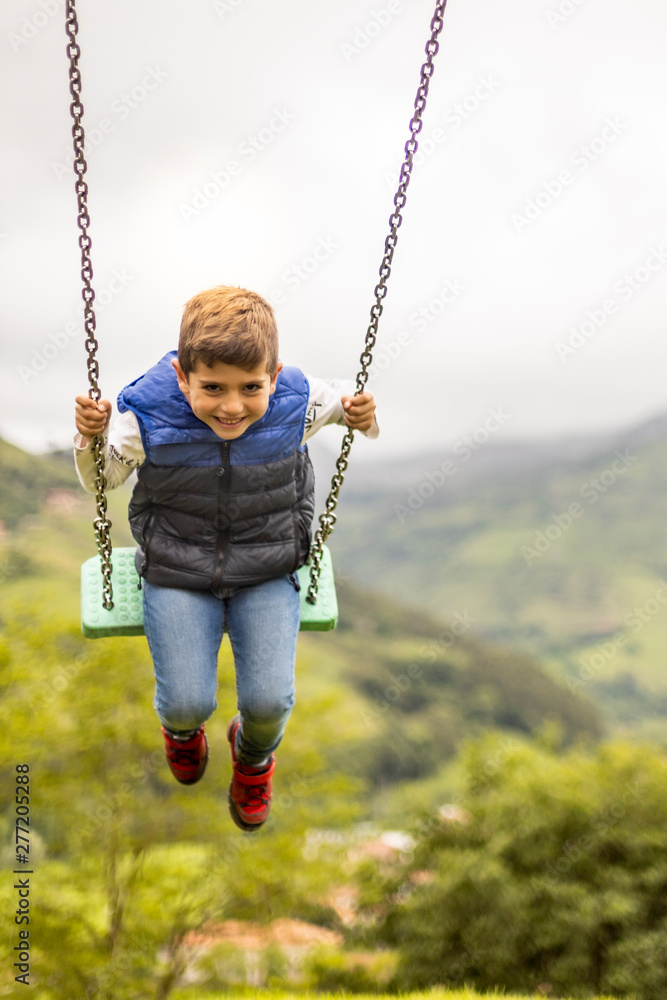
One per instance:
(256, 142)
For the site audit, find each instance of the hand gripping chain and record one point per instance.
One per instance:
(101, 524)
(328, 518)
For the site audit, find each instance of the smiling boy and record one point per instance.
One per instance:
(222, 514)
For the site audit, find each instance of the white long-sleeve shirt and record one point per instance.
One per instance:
(124, 451)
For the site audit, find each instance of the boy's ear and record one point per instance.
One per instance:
(183, 384)
(274, 377)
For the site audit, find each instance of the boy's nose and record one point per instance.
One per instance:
(230, 409)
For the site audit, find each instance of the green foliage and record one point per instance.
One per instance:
(555, 875)
(25, 481)
(427, 687)
(111, 925)
(15, 563)
(280, 994)
(327, 969)
(128, 861)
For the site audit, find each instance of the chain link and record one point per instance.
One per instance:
(101, 524)
(328, 518)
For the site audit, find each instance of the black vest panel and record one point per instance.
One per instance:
(212, 527)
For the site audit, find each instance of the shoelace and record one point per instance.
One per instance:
(184, 756)
(254, 795)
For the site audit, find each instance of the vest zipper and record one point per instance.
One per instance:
(223, 509)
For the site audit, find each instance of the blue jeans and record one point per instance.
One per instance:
(184, 629)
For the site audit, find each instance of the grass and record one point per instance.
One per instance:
(435, 994)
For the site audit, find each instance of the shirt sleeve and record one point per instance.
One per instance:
(325, 407)
(123, 452)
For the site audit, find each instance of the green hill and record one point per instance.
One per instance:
(27, 480)
(410, 686)
(558, 550)
(427, 687)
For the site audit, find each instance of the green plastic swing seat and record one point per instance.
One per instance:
(126, 616)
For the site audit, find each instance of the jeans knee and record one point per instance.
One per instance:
(183, 717)
(262, 711)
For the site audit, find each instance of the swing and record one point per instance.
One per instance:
(111, 602)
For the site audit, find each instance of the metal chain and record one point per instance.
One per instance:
(101, 524)
(328, 518)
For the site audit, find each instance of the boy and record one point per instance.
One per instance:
(222, 512)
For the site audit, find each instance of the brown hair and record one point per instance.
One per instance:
(231, 325)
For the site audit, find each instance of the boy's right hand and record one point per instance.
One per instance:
(92, 417)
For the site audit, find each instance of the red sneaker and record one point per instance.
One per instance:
(250, 788)
(186, 758)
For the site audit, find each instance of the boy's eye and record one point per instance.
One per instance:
(211, 388)
(252, 387)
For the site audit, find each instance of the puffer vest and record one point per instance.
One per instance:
(210, 514)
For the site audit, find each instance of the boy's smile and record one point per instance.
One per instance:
(225, 397)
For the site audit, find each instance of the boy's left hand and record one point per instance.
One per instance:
(359, 411)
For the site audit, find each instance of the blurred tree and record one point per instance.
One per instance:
(549, 873)
(127, 861)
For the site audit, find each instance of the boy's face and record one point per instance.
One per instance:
(227, 398)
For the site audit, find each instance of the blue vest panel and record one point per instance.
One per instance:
(209, 513)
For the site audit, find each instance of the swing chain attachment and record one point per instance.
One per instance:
(101, 524)
(328, 518)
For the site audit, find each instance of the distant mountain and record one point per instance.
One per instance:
(557, 548)
(27, 480)
(479, 460)
(426, 687)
